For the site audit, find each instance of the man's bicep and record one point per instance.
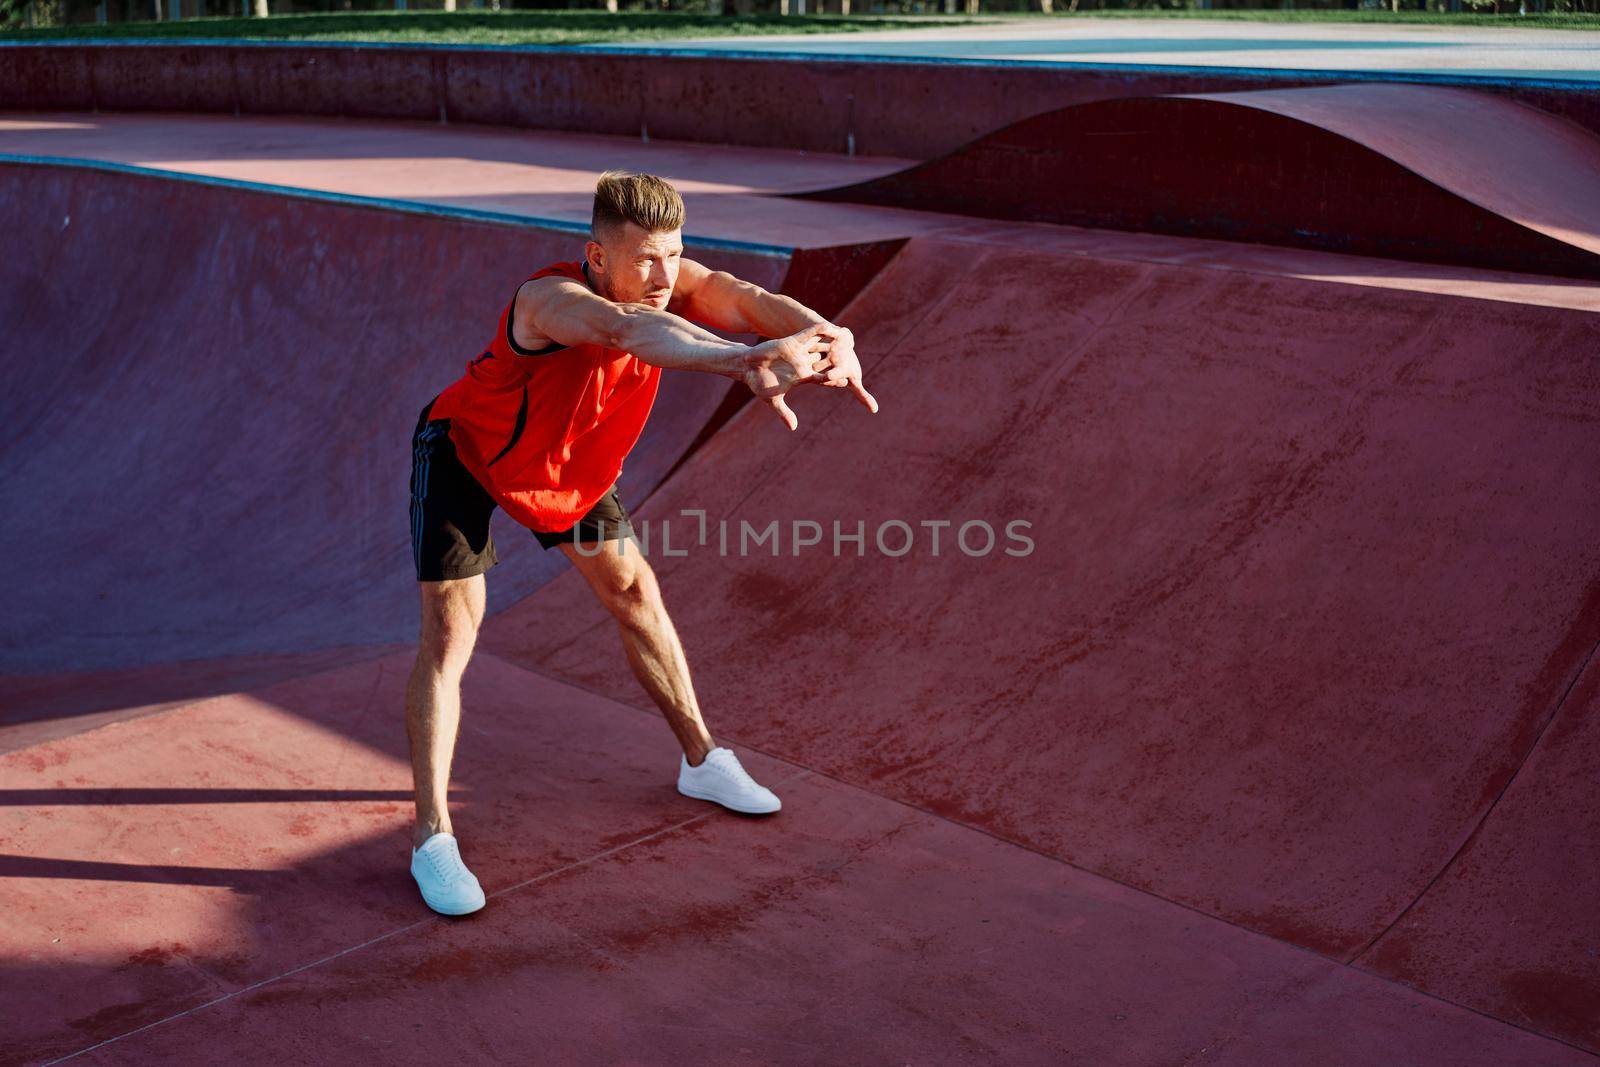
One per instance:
(567, 313)
(710, 297)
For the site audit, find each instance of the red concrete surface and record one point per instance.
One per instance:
(1313, 571)
(1284, 714)
(547, 175)
(1511, 922)
(45, 707)
(541, 175)
(226, 882)
(1418, 173)
(1480, 148)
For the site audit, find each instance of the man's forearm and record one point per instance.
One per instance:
(666, 340)
(773, 314)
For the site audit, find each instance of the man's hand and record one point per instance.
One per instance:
(842, 369)
(774, 367)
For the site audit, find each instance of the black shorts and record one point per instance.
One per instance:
(450, 511)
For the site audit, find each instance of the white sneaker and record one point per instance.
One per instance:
(720, 778)
(447, 886)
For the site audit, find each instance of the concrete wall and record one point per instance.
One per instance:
(915, 109)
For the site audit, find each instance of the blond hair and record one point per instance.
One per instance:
(649, 202)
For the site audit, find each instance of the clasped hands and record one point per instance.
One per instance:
(820, 354)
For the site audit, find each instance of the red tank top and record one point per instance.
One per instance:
(545, 431)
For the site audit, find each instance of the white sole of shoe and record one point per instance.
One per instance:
(454, 909)
(691, 792)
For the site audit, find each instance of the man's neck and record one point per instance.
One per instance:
(589, 278)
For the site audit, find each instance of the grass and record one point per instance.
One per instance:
(632, 27)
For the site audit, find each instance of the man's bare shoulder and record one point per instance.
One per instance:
(533, 296)
(547, 286)
(559, 309)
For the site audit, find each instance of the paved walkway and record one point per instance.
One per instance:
(1412, 49)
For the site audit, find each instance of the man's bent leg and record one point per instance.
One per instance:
(626, 585)
(452, 611)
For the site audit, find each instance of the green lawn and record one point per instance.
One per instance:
(598, 27)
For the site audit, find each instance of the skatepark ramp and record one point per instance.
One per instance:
(1211, 623)
(220, 416)
(1417, 173)
(1305, 639)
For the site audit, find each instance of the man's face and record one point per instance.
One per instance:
(641, 267)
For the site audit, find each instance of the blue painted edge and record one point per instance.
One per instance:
(381, 203)
(1434, 78)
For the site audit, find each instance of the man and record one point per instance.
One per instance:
(539, 425)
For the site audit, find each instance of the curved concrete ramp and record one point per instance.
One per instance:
(1420, 173)
(1311, 576)
(1504, 925)
(222, 414)
(1302, 649)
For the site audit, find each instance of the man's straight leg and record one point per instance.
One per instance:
(452, 612)
(452, 548)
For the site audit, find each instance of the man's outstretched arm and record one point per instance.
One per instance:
(573, 314)
(725, 302)
(570, 313)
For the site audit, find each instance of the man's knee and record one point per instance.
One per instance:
(446, 651)
(631, 594)
(451, 615)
